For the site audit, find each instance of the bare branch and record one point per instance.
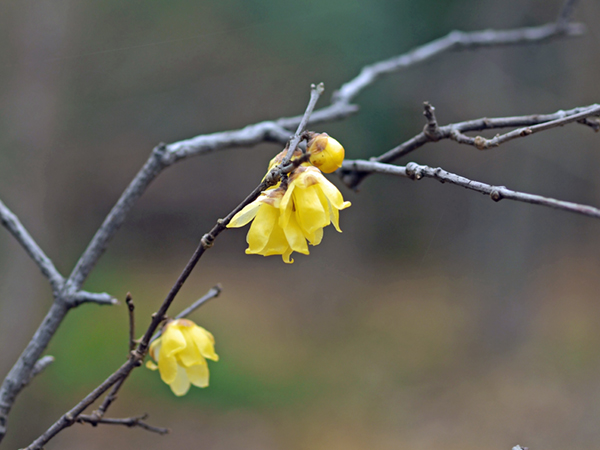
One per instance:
(128, 422)
(483, 144)
(14, 226)
(67, 419)
(415, 171)
(566, 13)
(213, 292)
(315, 93)
(155, 164)
(130, 309)
(455, 131)
(20, 374)
(40, 366)
(101, 298)
(455, 40)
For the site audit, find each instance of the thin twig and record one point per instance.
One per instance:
(14, 226)
(415, 171)
(109, 399)
(456, 131)
(455, 40)
(213, 292)
(128, 422)
(130, 309)
(566, 13)
(40, 366)
(483, 144)
(315, 93)
(100, 298)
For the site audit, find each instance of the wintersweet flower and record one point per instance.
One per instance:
(286, 216)
(326, 153)
(181, 354)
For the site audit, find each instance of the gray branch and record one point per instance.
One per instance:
(14, 226)
(456, 131)
(455, 40)
(415, 171)
(130, 422)
(40, 366)
(214, 292)
(101, 298)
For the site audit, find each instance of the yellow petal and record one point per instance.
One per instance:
(181, 383)
(333, 194)
(309, 211)
(198, 375)
(203, 342)
(286, 256)
(316, 237)
(295, 237)
(190, 355)
(261, 228)
(245, 215)
(286, 205)
(155, 349)
(277, 244)
(172, 340)
(150, 365)
(167, 366)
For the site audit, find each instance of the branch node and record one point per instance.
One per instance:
(481, 143)
(526, 132)
(496, 195)
(207, 240)
(431, 129)
(414, 171)
(161, 151)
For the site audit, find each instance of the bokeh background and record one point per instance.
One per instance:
(438, 319)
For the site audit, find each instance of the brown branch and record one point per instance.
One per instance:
(315, 93)
(528, 125)
(128, 422)
(415, 171)
(130, 309)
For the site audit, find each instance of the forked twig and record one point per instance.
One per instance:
(415, 171)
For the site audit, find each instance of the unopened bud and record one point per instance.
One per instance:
(326, 153)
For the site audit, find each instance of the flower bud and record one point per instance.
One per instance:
(326, 153)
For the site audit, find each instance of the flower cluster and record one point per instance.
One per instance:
(180, 353)
(291, 213)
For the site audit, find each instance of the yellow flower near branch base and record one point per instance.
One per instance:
(181, 354)
(286, 216)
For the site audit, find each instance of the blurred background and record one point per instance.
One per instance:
(437, 320)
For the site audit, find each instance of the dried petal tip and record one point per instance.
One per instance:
(326, 153)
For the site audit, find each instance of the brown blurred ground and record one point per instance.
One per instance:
(438, 319)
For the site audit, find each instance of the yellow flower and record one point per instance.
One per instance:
(180, 353)
(286, 215)
(326, 153)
